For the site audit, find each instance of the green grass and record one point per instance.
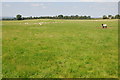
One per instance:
(0, 49)
(71, 49)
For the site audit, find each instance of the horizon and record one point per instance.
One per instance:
(48, 16)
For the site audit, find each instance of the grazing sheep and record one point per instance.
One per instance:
(104, 25)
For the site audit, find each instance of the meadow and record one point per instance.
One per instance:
(59, 49)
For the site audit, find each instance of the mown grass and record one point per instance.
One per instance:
(67, 49)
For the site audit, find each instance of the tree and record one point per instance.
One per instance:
(76, 16)
(113, 17)
(110, 16)
(104, 17)
(60, 16)
(117, 16)
(89, 17)
(19, 17)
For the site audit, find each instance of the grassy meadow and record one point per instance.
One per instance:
(59, 49)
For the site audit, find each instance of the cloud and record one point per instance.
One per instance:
(38, 5)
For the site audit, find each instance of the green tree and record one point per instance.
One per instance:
(117, 16)
(60, 16)
(110, 16)
(89, 17)
(19, 17)
(76, 16)
(104, 17)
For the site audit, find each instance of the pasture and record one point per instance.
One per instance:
(59, 49)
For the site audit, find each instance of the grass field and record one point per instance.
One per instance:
(60, 49)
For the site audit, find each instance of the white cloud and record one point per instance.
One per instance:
(38, 5)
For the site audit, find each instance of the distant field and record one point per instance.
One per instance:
(60, 49)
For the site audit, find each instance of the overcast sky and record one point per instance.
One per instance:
(94, 9)
(28, 8)
(60, 0)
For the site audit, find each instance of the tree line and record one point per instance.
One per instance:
(19, 17)
(111, 16)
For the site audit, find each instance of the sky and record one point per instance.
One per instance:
(95, 9)
(60, 0)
